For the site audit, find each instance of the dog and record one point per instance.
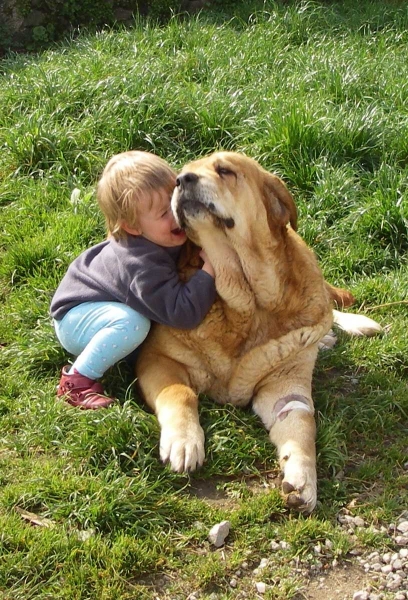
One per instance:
(260, 340)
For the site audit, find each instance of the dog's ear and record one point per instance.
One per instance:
(279, 203)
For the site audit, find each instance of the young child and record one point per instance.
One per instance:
(103, 306)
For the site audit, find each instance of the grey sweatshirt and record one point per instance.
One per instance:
(138, 273)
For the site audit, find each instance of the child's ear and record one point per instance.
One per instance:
(130, 230)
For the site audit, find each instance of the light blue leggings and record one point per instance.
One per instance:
(100, 334)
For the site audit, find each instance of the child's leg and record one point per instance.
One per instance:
(100, 334)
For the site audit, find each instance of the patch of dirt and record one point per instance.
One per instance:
(339, 583)
(210, 490)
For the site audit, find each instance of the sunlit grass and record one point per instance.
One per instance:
(318, 94)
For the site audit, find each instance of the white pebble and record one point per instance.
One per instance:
(386, 569)
(401, 540)
(361, 595)
(261, 587)
(393, 585)
(403, 527)
(218, 533)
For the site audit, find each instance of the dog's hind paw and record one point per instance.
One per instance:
(355, 324)
(328, 341)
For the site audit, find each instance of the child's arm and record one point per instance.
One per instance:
(158, 293)
(207, 266)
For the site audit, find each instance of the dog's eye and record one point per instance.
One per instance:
(223, 171)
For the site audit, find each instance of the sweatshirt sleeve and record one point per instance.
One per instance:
(165, 299)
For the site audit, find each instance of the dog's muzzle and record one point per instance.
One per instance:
(187, 203)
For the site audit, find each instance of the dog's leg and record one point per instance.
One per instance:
(288, 414)
(165, 386)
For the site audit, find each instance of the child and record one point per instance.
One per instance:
(104, 304)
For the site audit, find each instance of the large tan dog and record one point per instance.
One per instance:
(260, 340)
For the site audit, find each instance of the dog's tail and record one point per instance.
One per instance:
(355, 324)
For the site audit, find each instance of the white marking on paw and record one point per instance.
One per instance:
(183, 449)
(353, 324)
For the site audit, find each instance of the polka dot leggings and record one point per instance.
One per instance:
(100, 334)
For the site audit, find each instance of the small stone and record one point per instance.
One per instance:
(264, 563)
(403, 553)
(400, 596)
(403, 527)
(394, 584)
(376, 567)
(284, 545)
(328, 544)
(275, 546)
(401, 540)
(397, 564)
(233, 583)
(387, 558)
(359, 522)
(361, 595)
(317, 549)
(386, 569)
(260, 587)
(218, 533)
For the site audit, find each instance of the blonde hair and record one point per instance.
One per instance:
(127, 177)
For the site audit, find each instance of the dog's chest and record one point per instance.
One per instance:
(219, 345)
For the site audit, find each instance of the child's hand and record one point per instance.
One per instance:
(207, 266)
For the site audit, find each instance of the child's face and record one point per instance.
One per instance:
(157, 222)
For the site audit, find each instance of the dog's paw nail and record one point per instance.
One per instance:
(287, 487)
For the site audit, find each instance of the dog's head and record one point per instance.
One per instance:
(233, 193)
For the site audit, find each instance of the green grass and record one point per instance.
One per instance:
(317, 92)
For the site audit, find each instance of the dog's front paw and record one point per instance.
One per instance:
(182, 448)
(299, 485)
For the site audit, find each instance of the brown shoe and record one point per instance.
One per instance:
(80, 391)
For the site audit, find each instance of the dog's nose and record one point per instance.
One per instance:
(186, 179)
